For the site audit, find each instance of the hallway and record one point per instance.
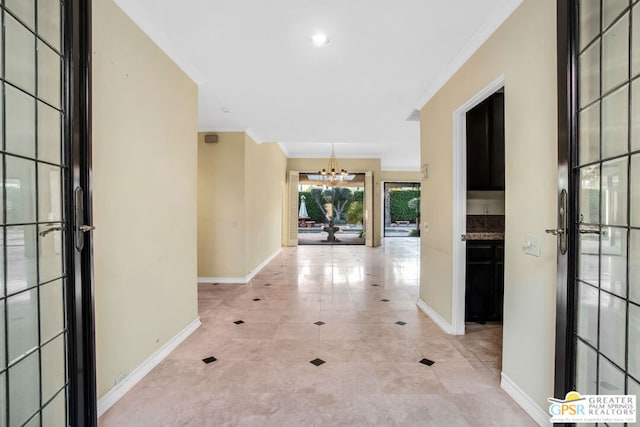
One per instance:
(352, 311)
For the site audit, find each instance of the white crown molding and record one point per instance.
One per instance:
(476, 41)
(526, 403)
(340, 157)
(222, 129)
(113, 395)
(253, 136)
(284, 149)
(400, 169)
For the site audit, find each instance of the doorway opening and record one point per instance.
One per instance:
(478, 225)
(331, 215)
(401, 210)
(484, 284)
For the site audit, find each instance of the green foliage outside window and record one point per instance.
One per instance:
(400, 209)
(316, 200)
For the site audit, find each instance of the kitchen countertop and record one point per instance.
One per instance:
(485, 236)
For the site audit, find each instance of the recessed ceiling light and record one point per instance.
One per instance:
(225, 110)
(320, 39)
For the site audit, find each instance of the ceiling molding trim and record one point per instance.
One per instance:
(401, 169)
(477, 40)
(222, 129)
(253, 136)
(375, 156)
(284, 149)
(136, 12)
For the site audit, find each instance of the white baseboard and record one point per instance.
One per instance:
(113, 395)
(444, 325)
(262, 265)
(241, 280)
(526, 403)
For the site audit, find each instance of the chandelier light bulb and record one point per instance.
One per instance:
(332, 177)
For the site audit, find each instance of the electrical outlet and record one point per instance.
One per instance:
(532, 245)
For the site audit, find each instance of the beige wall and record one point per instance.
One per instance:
(524, 50)
(144, 195)
(352, 165)
(399, 176)
(265, 177)
(221, 206)
(239, 204)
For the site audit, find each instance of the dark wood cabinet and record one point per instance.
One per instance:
(485, 280)
(485, 145)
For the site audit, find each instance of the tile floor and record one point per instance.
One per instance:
(371, 375)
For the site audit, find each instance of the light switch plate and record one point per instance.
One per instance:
(532, 245)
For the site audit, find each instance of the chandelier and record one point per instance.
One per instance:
(332, 175)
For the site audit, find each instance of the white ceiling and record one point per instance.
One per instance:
(255, 58)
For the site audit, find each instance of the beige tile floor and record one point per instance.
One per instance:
(371, 375)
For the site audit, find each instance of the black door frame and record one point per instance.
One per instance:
(567, 137)
(80, 295)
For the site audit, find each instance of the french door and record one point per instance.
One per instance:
(598, 330)
(46, 323)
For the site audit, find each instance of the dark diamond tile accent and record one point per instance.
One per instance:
(317, 362)
(319, 323)
(427, 362)
(239, 322)
(256, 299)
(215, 284)
(401, 323)
(384, 300)
(267, 284)
(375, 284)
(209, 359)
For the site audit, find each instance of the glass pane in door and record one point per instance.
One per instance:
(615, 54)
(607, 309)
(634, 343)
(634, 267)
(615, 115)
(611, 9)
(33, 330)
(586, 363)
(589, 21)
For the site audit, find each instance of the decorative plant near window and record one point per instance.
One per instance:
(338, 198)
(355, 214)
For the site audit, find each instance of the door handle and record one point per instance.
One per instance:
(561, 231)
(554, 231)
(85, 228)
(43, 233)
(591, 230)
